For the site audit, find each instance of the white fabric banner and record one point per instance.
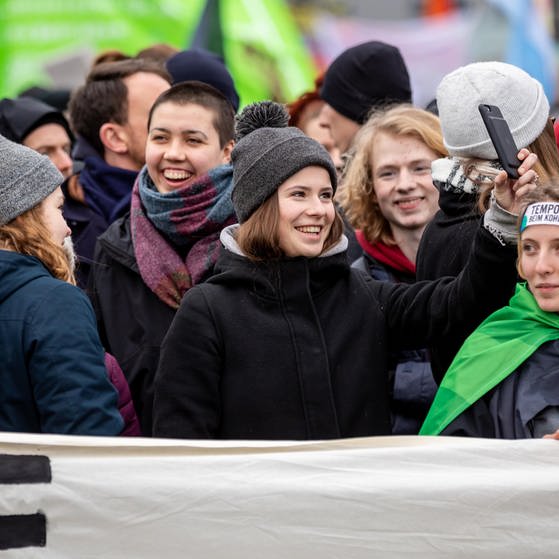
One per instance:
(353, 498)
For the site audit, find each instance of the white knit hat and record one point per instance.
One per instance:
(519, 96)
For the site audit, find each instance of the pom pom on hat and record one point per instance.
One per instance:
(519, 96)
(266, 114)
(26, 179)
(267, 153)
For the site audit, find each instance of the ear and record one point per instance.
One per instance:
(227, 151)
(113, 137)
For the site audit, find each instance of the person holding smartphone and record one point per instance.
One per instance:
(285, 340)
(504, 381)
(466, 178)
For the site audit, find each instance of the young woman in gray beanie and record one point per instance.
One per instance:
(52, 370)
(286, 341)
(466, 177)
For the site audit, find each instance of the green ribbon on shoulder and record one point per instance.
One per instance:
(493, 351)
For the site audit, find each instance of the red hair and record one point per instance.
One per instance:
(297, 107)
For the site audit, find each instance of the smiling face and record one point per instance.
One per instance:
(538, 264)
(401, 168)
(306, 212)
(183, 144)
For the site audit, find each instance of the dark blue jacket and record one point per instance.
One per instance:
(52, 369)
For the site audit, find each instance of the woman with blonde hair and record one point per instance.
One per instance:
(52, 370)
(388, 197)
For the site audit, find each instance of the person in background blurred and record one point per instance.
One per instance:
(197, 64)
(39, 126)
(364, 77)
(304, 113)
(158, 52)
(109, 115)
(388, 197)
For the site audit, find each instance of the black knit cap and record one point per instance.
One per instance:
(366, 76)
(20, 116)
(267, 153)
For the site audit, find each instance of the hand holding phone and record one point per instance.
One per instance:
(502, 139)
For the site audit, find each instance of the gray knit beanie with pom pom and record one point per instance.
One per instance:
(267, 153)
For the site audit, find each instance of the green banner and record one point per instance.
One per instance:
(44, 41)
(39, 37)
(265, 50)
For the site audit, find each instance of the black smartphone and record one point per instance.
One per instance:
(502, 139)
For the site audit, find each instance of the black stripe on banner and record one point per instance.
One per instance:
(24, 468)
(23, 530)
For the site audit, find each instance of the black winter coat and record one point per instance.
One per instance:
(132, 320)
(412, 384)
(444, 250)
(299, 348)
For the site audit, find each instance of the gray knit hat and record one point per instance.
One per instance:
(267, 153)
(519, 96)
(26, 178)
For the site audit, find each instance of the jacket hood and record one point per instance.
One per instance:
(19, 117)
(227, 238)
(17, 270)
(269, 278)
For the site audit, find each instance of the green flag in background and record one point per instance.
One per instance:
(40, 39)
(51, 42)
(264, 50)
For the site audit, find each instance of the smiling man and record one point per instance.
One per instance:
(109, 114)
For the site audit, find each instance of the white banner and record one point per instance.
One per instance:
(354, 498)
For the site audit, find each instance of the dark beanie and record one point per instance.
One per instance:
(267, 153)
(203, 66)
(366, 76)
(19, 117)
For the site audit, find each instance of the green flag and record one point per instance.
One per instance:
(495, 349)
(265, 51)
(42, 40)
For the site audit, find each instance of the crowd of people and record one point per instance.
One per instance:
(173, 264)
